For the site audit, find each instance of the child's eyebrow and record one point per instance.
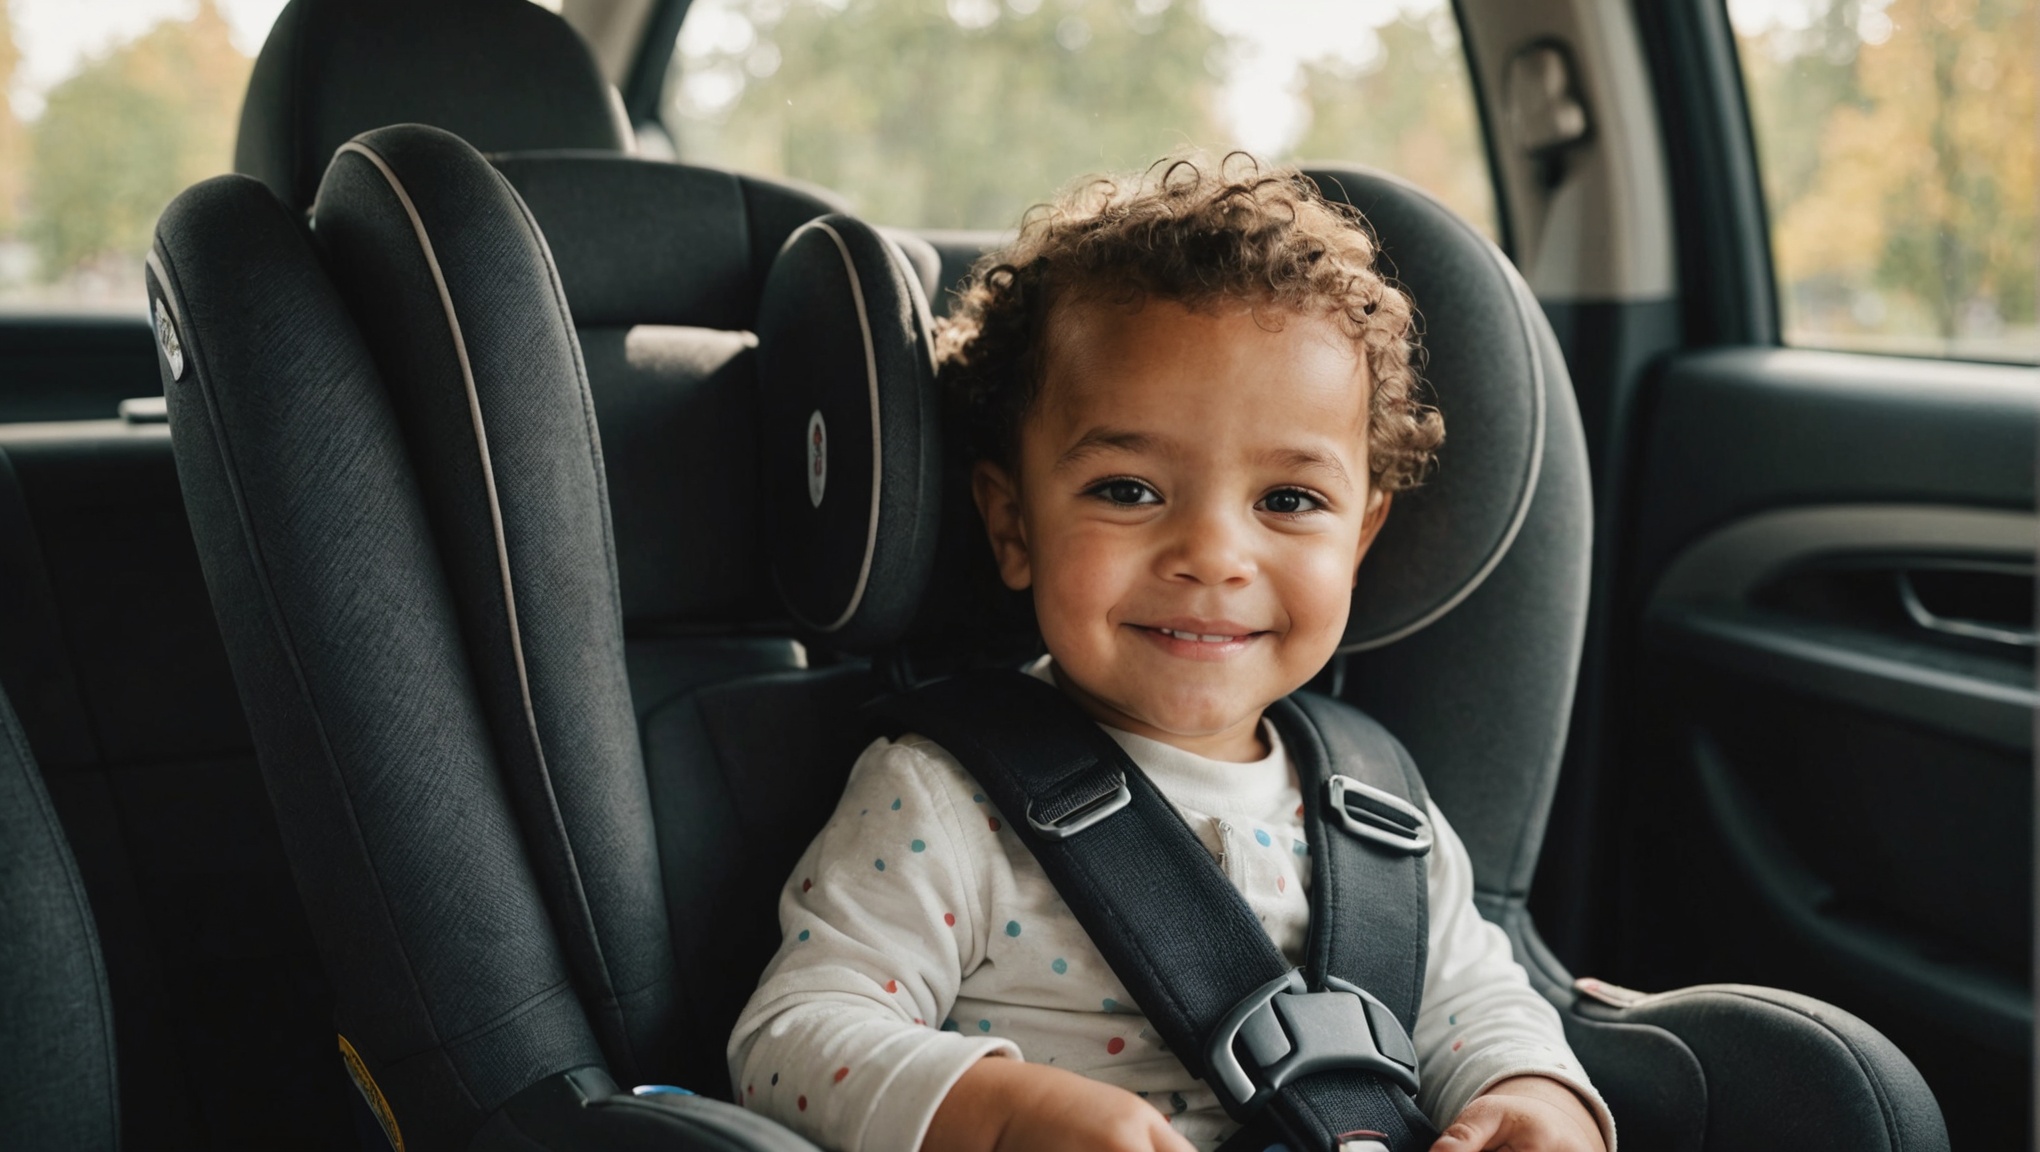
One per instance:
(1307, 460)
(1100, 439)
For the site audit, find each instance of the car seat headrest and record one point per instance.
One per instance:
(1486, 370)
(649, 242)
(501, 74)
(849, 439)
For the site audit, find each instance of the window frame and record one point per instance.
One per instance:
(1727, 280)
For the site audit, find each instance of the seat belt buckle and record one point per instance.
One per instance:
(1379, 817)
(1063, 816)
(1283, 1031)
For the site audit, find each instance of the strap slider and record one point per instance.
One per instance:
(1072, 810)
(1379, 817)
(1283, 1031)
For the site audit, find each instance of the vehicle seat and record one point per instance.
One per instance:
(58, 1083)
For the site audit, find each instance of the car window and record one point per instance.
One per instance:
(1898, 154)
(962, 113)
(111, 109)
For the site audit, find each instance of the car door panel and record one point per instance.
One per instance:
(1828, 779)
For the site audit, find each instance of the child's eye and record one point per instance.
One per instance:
(1124, 492)
(1290, 502)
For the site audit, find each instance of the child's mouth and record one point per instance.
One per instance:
(1198, 644)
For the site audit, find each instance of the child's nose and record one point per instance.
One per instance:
(1211, 548)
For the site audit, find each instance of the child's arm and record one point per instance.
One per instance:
(846, 1039)
(1490, 1049)
(1010, 1106)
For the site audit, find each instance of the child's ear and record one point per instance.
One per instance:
(1370, 525)
(998, 501)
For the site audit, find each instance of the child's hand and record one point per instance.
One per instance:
(1003, 1105)
(1524, 1114)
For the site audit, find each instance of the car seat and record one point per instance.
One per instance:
(522, 888)
(58, 1083)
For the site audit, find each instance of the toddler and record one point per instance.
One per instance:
(1188, 397)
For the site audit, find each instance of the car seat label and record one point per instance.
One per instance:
(370, 1094)
(168, 341)
(817, 458)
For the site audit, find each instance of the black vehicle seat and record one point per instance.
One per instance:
(429, 637)
(662, 265)
(501, 75)
(58, 1075)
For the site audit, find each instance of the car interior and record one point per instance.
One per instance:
(423, 668)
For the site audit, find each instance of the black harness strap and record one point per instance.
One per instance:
(1168, 921)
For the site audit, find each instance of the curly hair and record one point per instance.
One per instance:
(1196, 233)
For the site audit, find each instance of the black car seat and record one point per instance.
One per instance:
(58, 1083)
(390, 452)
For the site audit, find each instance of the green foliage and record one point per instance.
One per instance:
(1898, 152)
(1409, 110)
(129, 131)
(923, 119)
(13, 140)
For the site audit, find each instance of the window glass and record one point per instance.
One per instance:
(1897, 144)
(962, 113)
(111, 108)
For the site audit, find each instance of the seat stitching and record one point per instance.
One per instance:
(563, 843)
(1531, 473)
(877, 437)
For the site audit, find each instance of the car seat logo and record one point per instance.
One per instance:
(817, 458)
(166, 339)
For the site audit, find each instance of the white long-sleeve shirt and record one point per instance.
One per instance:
(921, 935)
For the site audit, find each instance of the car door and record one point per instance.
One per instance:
(1808, 729)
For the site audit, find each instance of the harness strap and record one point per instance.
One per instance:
(1166, 919)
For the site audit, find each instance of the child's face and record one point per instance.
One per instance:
(1191, 506)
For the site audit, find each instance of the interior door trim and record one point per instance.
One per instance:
(1731, 562)
(1950, 693)
(1984, 1006)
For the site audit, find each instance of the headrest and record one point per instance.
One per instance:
(648, 242)
(501, 74)
(1487, 372)
(848, 422)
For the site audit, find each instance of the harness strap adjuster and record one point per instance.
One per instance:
(1283, 1031)
(1379, 817)
(1093, 797)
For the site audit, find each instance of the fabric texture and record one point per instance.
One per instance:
(849, 436)
(920, 934)
(58, 1085)
(346, 645)
(501, 74)
(458, 301)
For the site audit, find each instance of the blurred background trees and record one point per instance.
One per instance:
(962, 113)
(1895, 137)
(82, 184)
(1897, 143)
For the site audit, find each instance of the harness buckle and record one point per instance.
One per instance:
(1283, 1031)
(1379, 817)
(1063, 816)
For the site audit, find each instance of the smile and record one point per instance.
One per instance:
(1215, 640)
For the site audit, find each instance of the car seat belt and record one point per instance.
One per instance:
(1318, 1059)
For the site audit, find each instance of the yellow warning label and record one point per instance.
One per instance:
(377, 1103)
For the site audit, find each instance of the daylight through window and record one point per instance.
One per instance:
(962, 113)
(1897, 144)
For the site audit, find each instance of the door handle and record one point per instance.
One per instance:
(1956, 626)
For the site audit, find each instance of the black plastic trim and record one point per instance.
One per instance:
(1725, 269)
(1957, 693)
(646, 82)
(1985, 1007)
